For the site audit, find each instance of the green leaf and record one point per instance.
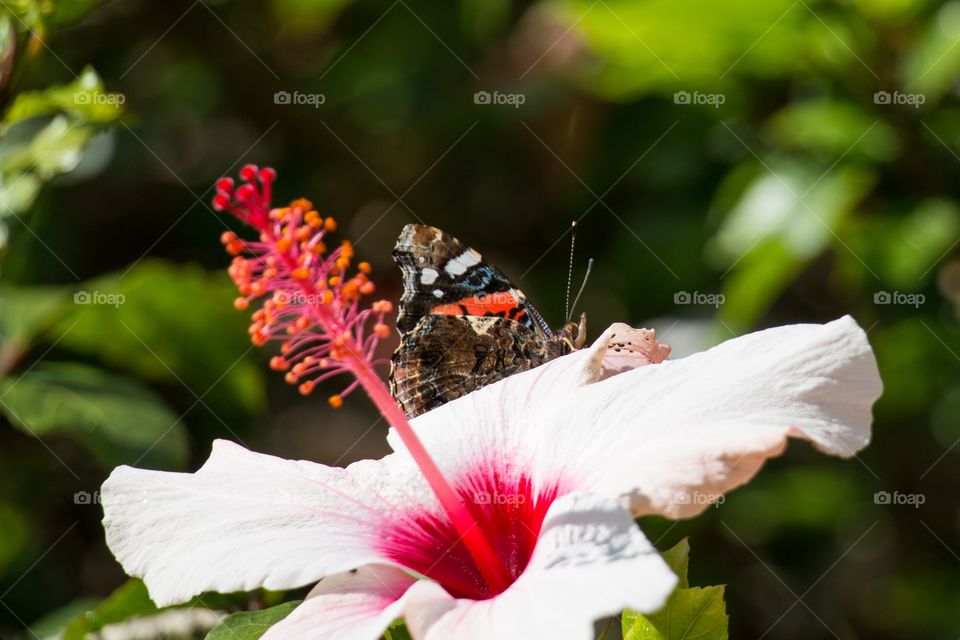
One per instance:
(250, 625)
(117, 419)
(84, 100)
(397, 631)
(24, 313)
(678, 557)
(52, 624)
(690, 613)
(697, 613)
(128, 601)
(174, 324)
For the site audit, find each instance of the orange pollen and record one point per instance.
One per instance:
(240, 304)
(306, 388)
(381, 330)
(330, 224)
(335, 401)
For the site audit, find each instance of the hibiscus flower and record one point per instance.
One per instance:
(553, 464)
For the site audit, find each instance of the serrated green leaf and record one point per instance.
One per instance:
(250, 625)
(697, 613)
(117, 419)
(678, 557)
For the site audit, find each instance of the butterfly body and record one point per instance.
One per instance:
(463, 324)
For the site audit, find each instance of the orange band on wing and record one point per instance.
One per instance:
(496, 303)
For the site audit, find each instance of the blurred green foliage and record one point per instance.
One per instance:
(799, 159)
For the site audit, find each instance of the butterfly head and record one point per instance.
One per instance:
(573, 335)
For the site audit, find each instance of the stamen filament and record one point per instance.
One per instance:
(287, 264)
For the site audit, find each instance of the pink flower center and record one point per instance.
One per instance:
(510, 513)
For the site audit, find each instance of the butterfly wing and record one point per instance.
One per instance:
(443, 276)
(447, 356)
(462, 323)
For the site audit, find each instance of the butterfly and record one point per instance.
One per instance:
(463, 324)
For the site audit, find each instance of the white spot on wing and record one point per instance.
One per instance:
(428, 276)
(438, 293)
(459, 265)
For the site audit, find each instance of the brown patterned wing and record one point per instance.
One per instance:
(445, 357)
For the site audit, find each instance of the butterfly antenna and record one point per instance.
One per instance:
(573, 240)
(583, 286)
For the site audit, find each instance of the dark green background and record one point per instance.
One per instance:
(802, 197)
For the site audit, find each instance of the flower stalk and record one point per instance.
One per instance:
(312, 306)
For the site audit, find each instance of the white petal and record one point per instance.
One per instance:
(591, 561)
(674, 435)
(242, 521)
(360, 605)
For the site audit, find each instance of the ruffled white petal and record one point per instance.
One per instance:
(674, 436)
(670, 436)
(591, 560)
(245, 520)
(361, 604)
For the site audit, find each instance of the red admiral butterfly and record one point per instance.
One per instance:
(462, 323)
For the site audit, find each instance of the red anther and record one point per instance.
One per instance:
(220, 202)
(249, 172)
(227, 237)
(267, 174)
(225, 185)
